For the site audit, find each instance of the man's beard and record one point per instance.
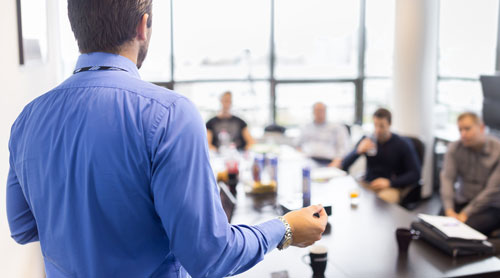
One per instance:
(143, 51)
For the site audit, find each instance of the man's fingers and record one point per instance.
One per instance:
(323, 217)
(315, 208)
(322, 213)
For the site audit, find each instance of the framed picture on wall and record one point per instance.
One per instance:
(32, 31)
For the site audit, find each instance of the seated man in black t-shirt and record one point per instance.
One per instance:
(391, 160)
(226, 128)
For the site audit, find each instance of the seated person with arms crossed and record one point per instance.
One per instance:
(226, 124)
(394, 167)
(473, 164)
(325, 142)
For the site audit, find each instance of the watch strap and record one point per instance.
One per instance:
(287, 238)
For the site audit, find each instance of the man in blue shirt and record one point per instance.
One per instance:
(391, 161)
(111, 174)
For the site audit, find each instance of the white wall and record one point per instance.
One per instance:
(18, 86)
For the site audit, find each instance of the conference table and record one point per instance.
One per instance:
(361, 241)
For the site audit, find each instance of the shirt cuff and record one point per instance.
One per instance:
(274, 231)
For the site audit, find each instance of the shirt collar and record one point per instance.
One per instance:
(107, 59)
(319, 124)
(485, 150)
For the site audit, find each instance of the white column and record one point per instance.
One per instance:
(415, 74)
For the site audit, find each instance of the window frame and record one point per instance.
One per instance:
(445, 78)
(358, 81)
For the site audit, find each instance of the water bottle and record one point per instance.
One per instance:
(256, 170)
(232, 162)
(265, 174)
(306, 187)
(273, 169)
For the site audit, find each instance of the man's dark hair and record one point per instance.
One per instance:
(383, 113)
(105, 25)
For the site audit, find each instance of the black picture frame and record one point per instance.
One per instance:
(20, 32)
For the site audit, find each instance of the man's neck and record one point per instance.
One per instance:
(225, 114)
(387, 137)
(131, 52)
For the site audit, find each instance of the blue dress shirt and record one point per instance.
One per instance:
(112, 175)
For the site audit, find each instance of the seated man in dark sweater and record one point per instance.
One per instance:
(391, 160)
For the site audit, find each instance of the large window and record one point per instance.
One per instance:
(221, 39)
(380, 27)
(250, 99)
(316, 39)
(278, 57)
(378, 93)
(380, 16)
(156, 67)
(294, 102)
(467, 49)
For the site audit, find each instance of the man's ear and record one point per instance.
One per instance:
(142, 28)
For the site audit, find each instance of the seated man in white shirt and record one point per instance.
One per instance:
(325, 142)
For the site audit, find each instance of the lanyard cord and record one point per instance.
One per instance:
(97, 68)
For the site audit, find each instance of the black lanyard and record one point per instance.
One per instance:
(97, 68)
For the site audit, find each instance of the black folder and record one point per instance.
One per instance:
(452, 246)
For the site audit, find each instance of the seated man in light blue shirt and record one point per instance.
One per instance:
(111, 174)
(325, 142)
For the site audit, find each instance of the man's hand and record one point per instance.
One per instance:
(306, 228)
(451, 213)
(365, 145)
(462, 217)
(380, 183)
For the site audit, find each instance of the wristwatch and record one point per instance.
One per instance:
(287, 238)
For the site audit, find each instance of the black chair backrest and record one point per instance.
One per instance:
(419, 148)
(275, 128)
(491, 100)
(411, 200)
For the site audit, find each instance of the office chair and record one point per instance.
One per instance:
(412, 197)
(275, 128)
